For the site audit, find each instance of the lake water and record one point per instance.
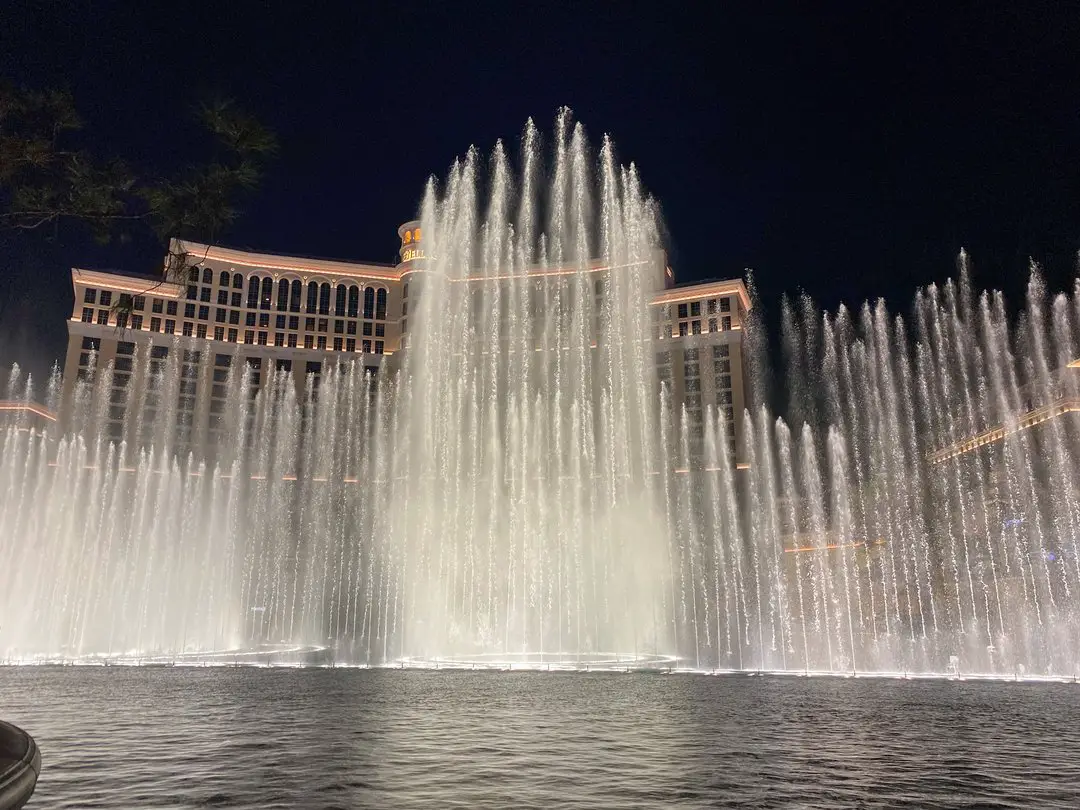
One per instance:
(260, 738)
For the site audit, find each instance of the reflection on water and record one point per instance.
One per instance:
(353, 738)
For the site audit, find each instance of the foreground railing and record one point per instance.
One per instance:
(20, 763)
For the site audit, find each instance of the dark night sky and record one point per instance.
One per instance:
(850, 155)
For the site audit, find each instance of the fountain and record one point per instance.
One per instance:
(520, 491)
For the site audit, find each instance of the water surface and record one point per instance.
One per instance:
(258, 738)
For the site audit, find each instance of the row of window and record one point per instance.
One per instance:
(694, 327)
(261, 294)
(712, 306)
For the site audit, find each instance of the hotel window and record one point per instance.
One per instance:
(695, 309)
(367, 330)
(204, 313)
(88, 315)
(232, 336)
(249, 336)
(237, 281)
(725, 323)
(380, 330)
(207, 276)
(294, 322)
(267, 293)
(283, 295)
(350, 328)
(723, 381)
(292, 341)
(682, 329)
(710, 306)
(188, 329)
(369, 302)
(103, 317)
(725, 397)
(354, 301)
(339, 300)
(193, 274)
(200, 331)
(725, 305)
(136, 322)
(682, 311)
(91, 344)
(90, 296)
(339, 327)
(170, 327)
(365, 346)
(378, 347)
(234, 299)
(264, 320)
(722, 365)
(312, 296)
(219, 333)
(279, 322)
(380, 305)
(223, 298)
(279, 338)
(253, 293)
(695, 327)
(693, 385)
(262, 338)
(712, 324)
(155, 324)
(337, 344)
(121, 319)
(294, 295)
(234, 317)
(204, 295)
(220, 315)
(322, 342)
(690, 354)
(309, 341)
(249, 319)
(192, 293)
(189, 310)
(322, 324)
(106, 298)
(350, 344)
(404, 325)
(157, 305)
(170, 308)
(313, 367)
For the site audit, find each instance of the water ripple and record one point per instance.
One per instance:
(242, 738)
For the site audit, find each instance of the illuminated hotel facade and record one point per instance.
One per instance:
(301, 316)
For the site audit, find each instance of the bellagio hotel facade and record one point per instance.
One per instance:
(299, 315)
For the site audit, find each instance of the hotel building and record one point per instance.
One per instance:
(283, 313)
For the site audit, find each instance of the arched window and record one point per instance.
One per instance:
(324, 299)
(294, 300)
(253, 292)
(267, 293)
(380, 305)
(207, 276)
(369, 303)
(354, 301)
(223, 279)
(339, 300)
(238, 281)
(283, 295)
(312, 297)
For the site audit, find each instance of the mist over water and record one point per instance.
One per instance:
(522, 489)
